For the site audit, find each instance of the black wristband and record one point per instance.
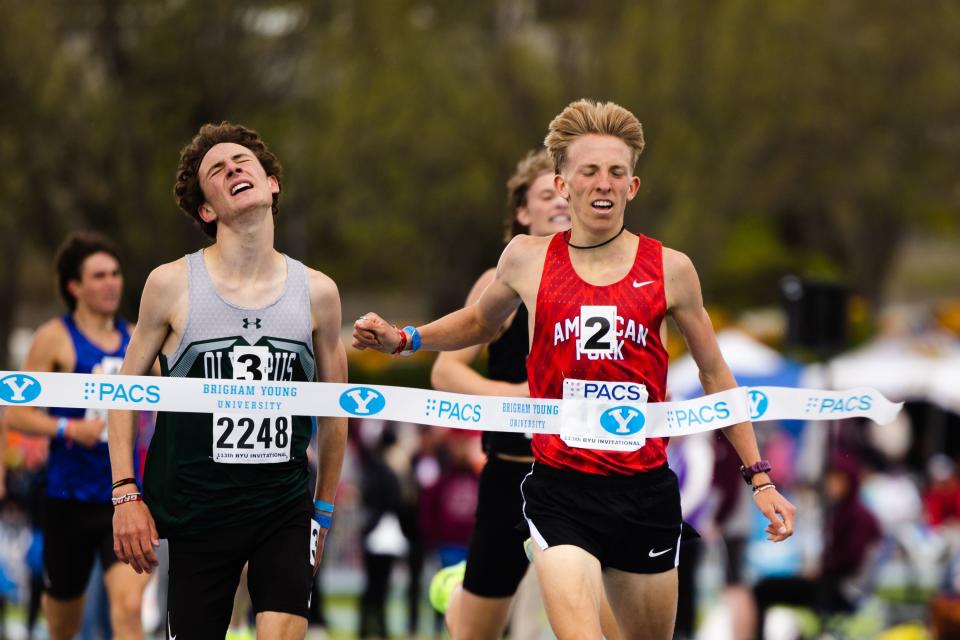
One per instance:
(125, 481)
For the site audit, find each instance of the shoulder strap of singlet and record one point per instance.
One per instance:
(71, 326)
(77, 337)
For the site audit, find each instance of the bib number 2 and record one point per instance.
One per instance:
(598, 331)
(260, 439)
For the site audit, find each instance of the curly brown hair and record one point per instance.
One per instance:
(187, 189)
(533, 165)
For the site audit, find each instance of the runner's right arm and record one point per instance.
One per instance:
(452, 370)
(134, 531)
(50, 340)
(472, 325)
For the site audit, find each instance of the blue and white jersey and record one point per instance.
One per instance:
(75, 472)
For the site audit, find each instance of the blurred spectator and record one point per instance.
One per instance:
(25, 459)
(892, 496)
(448, 505)
(402, 459)
(849, 539)
(941, 500)
(731, 520)
(383, 540)
(692, 459)
(3, 455)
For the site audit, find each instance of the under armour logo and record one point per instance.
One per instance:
(247, 322)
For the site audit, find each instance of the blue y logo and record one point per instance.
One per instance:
(759, 403)
(18, 388)
(622, 421)
(362, 401)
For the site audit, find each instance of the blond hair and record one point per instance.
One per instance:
(531, 167)
(585, 117)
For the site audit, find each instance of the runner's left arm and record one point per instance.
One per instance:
(685, 304)
(331, 360)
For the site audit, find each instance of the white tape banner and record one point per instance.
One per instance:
(618, 419)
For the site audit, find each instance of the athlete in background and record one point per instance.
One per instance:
(90, 338)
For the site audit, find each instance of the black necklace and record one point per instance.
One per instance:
(592, 246)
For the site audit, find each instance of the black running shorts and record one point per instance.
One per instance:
(74, 534)
(630, 523)
(496, 561)
(205, 572)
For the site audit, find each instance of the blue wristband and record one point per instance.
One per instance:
(62, 423)
(322, 505)
(323, 519)
(414, 338)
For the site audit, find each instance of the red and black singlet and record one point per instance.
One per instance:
(639, 355)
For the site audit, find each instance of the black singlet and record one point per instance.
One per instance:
(508, 363)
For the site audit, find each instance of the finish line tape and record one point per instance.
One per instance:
(617, 415)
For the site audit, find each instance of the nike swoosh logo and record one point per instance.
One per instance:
(637, 285)
(654, 554)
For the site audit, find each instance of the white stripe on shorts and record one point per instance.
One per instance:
(534, 532)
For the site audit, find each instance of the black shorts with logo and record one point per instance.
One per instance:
(205, 572)
(496, 561)
(74, 534)
(630, 523)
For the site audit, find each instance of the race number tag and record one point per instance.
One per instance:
(250, 363)
(598, 331)
(314, 536)
(108, 366)
(251, 439)
(603, 415)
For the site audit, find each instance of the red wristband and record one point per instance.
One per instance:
(403, 342)
(127, 497)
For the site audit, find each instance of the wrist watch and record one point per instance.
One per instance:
(757, 467)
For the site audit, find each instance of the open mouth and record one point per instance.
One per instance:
(560, 218)
(602, 205)
(240, 187)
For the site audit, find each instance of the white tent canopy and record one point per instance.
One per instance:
(924, 367)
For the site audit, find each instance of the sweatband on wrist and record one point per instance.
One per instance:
(323, 505)
(414, 337)
(62, 424)
(323, 519)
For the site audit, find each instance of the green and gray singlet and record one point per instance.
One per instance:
(206, 471)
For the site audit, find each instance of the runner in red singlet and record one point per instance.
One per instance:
(599, 518)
